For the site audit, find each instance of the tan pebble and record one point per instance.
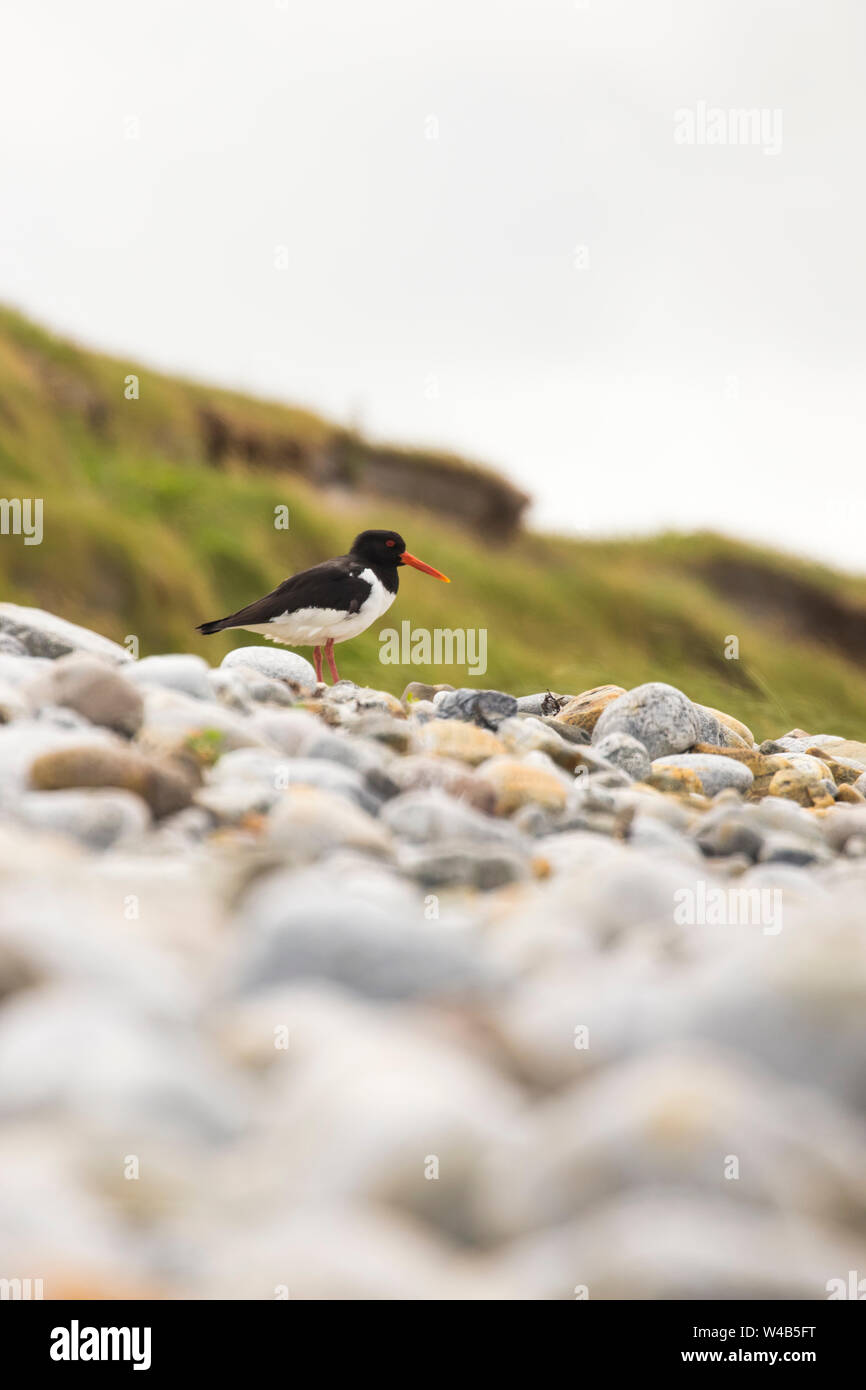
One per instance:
(451, 738)
(743, 755)
(391, 703)
(585, 710)
(796, 785)
(682, 780)
(845, 748)
(735, 725)
(164, 786)
(312, 822)
(417, 690)
(517, 784)
(841, 769)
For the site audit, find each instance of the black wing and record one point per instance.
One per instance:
(332, 584)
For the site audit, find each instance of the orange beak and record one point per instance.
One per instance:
(419, 565)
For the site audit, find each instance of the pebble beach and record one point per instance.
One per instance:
(328, 992)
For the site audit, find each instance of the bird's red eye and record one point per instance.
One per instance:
(390, 542)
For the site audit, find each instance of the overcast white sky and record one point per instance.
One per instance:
(698, 363)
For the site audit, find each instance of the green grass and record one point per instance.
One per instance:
(143, 536)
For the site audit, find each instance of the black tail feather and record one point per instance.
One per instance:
(208, 628)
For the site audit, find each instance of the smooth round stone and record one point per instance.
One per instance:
(351, 1251)
(715, 771)
(846, 748)
(716, 731)
(247, 765)
(414, 773)
(231, 802)
(327, 776)
(355, 752)
(812, 767)
(645, 832)
(179, 832)
(776, 814)
(230, 690)
(177, 671)
(342, 692)
(21, 743)
(417, 692)
(583, 711)
(528, 734)
(425, 817)
(790, 849)
(307, 926)
(44, 634)
(842, 824)
(273, 663)
(13, 705)
(487, 708)
(84, 1054)
(730, 831)
(626, 753)
(659, 716)
(543, 702)
(384, 729)
(309, 823)
(843, 770)
(61, 717)
(588, 760)
(452, 738)
(172, 719)
(18, 670)
(160, 784)
(288, 731)
(92, 688)
(798, 784)
(421, 711)
(735, 726)
(520, 782)
(451, 864)
(595, 783)
(586, 1143)
(263, 690)
(95, 817)
(569, 733)
(799, 743)
(356, 701)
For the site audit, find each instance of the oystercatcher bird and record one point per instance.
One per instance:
(332, 601)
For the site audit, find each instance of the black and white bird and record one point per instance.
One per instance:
(333, 601)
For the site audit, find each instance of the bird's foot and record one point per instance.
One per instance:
(329, 653)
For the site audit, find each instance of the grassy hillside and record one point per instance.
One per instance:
(143, 534)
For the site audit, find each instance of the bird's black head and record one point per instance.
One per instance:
(380, 549)
(384, 550)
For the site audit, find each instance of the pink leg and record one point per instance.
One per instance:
(317, 659)
(329, 653)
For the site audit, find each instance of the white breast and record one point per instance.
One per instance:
(310, 627)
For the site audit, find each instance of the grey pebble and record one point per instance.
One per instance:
(486, 708)
(659, 716)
